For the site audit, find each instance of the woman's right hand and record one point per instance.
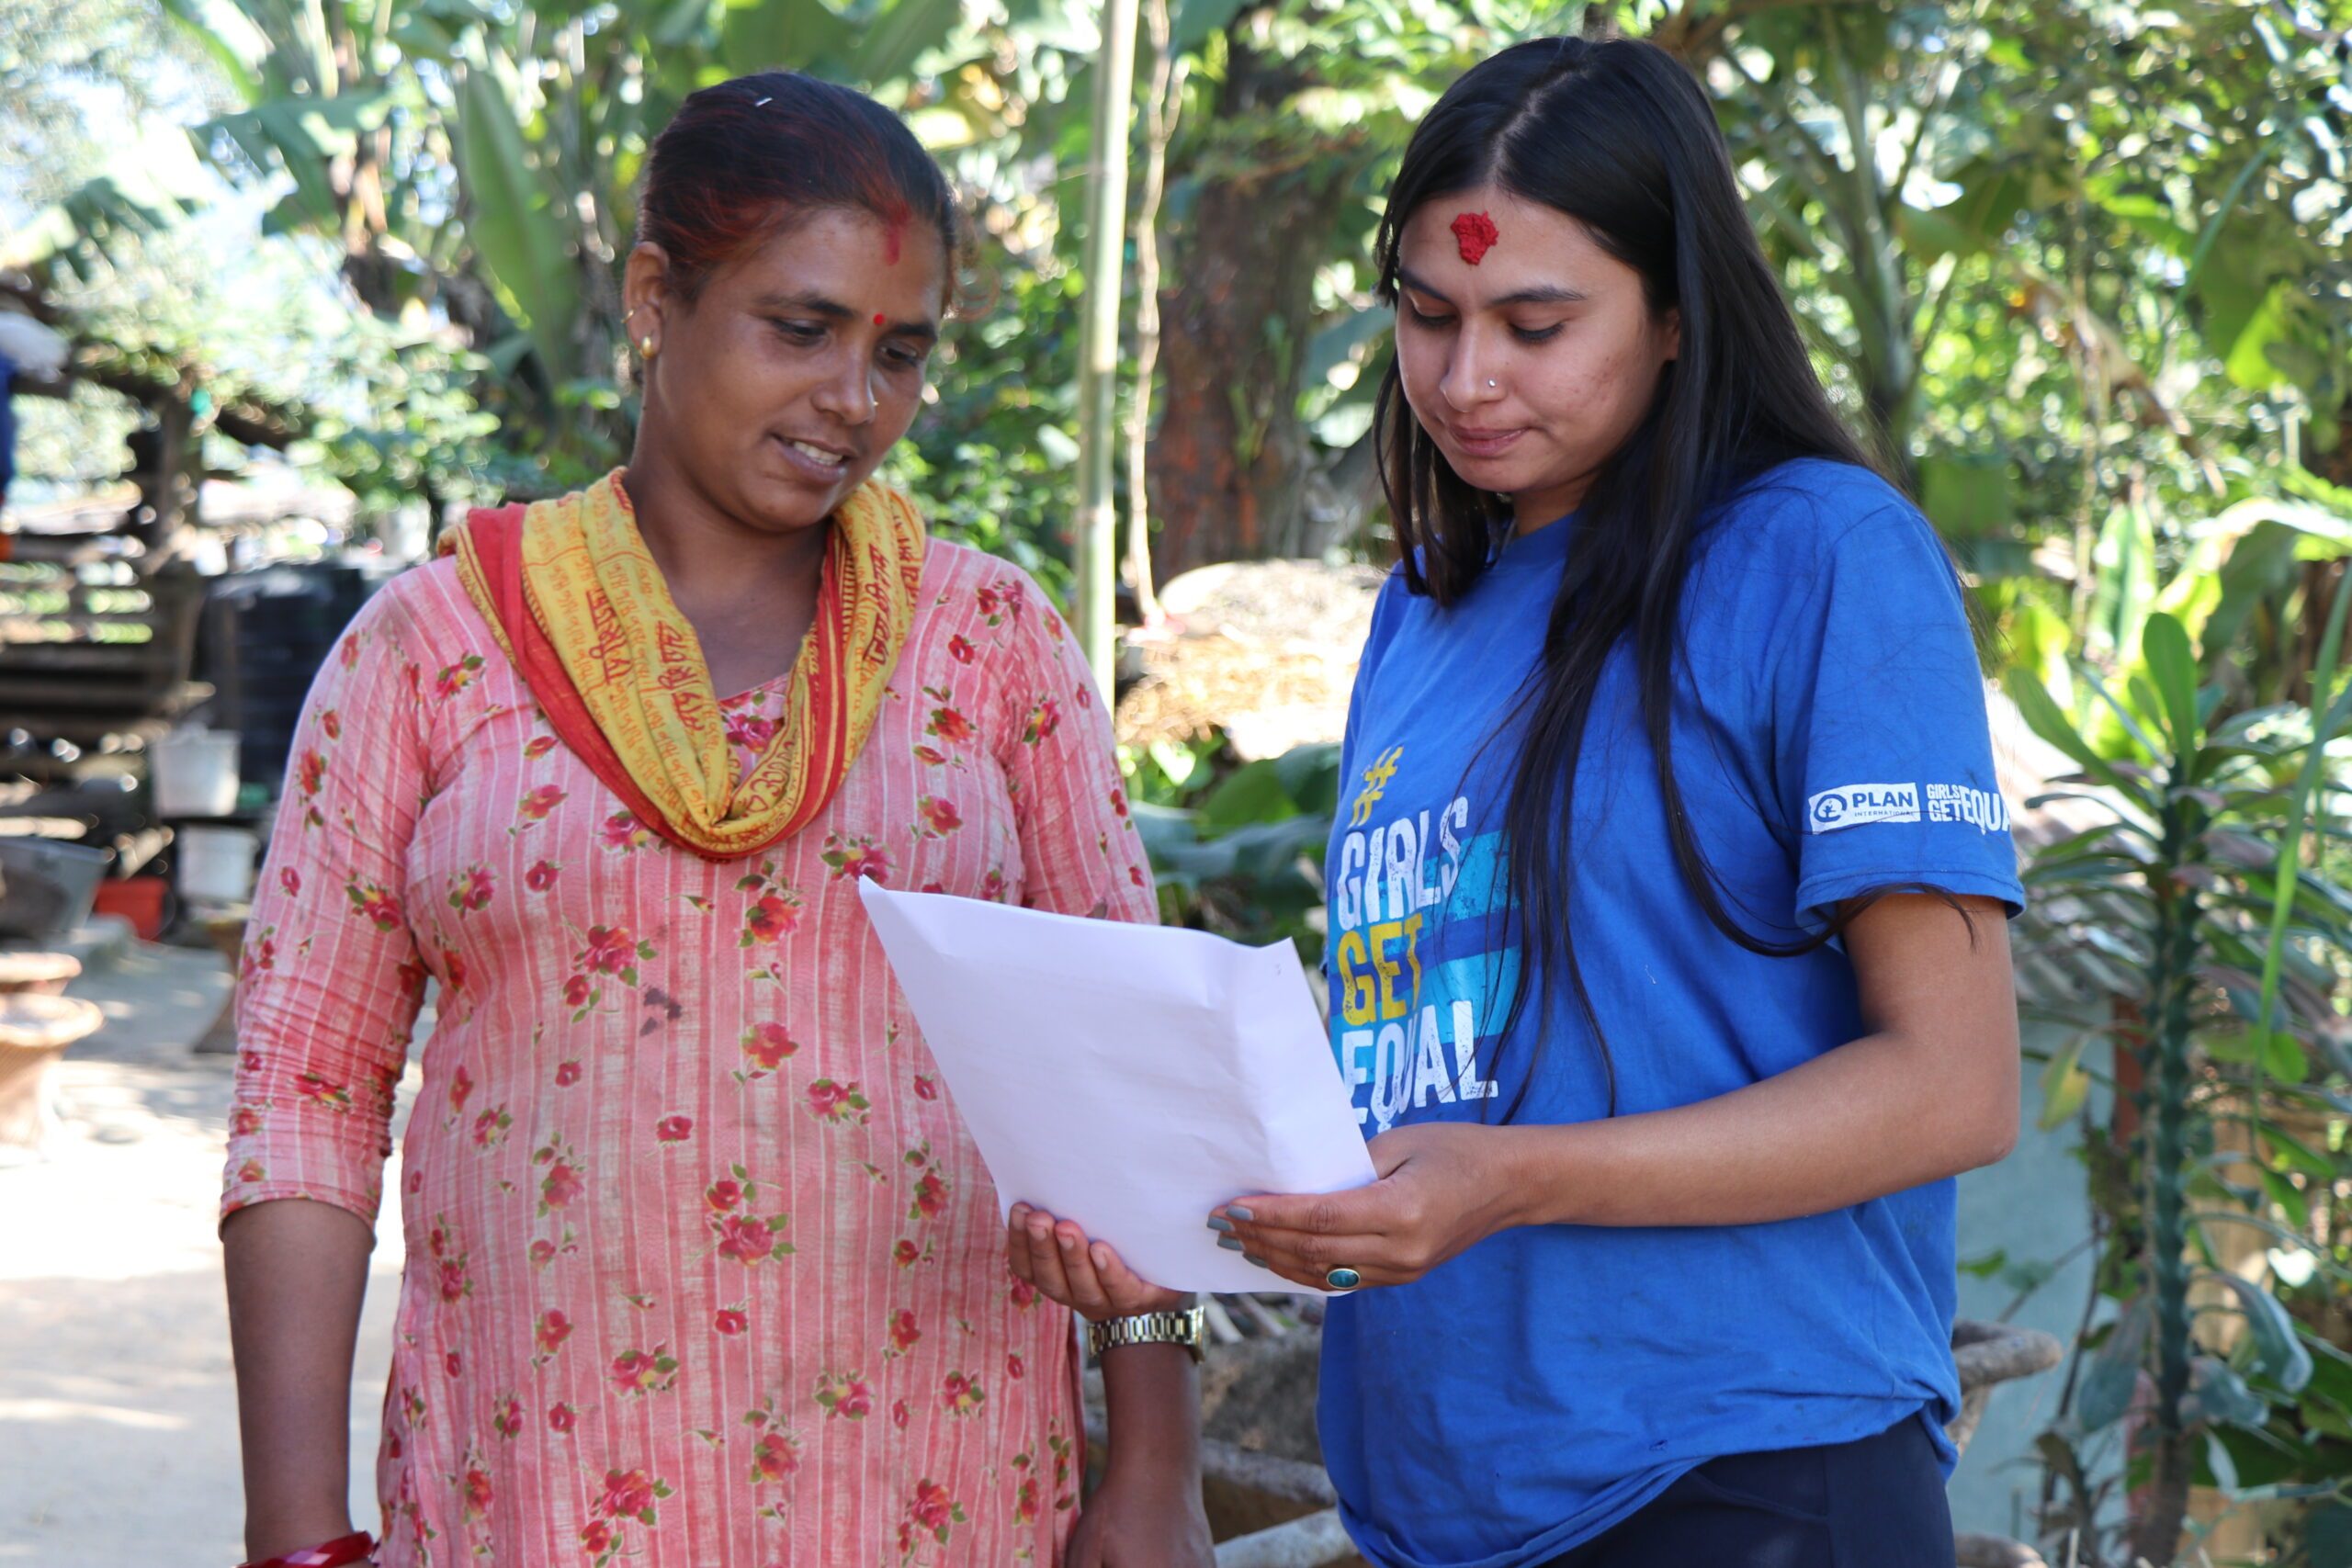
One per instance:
(1086, 1277)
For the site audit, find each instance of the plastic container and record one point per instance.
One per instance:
(57, 883)
(216, 865)
(265, 634)
(138, 899)
(194, 773)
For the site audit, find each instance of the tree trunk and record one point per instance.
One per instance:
(358, 181)
(1229, 465)
(167, 465)
(1161, 104)
(2321, 580)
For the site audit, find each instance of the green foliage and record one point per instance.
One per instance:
(69, 74)
(413, 431)
(2188, 930)
(1244, 857)
(517, 228)
(990, 457)
(2094, 249)
(2062, 253)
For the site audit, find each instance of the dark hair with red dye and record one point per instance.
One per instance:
(744, 160)
(1620, 137)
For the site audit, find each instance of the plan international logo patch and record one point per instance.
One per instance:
(1857, 803)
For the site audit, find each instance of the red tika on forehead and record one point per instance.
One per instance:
(1475, 234)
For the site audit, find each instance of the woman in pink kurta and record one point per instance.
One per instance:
(702, 1271)
(684, 1203)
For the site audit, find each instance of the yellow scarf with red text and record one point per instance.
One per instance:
(577, 603)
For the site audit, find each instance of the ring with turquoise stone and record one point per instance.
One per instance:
(1343, 1279)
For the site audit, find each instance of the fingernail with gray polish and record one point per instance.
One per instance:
(1238, 1212)
(1219, 1222)
(1230, 1243)
(1259, 1261)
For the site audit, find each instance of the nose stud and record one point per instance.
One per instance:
(1490, 386)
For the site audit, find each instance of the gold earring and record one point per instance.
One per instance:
(645, 345)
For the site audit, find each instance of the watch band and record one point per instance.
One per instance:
(1184, 1328)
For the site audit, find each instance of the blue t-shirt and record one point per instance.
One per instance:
(1829, 738)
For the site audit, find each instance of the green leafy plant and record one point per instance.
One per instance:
(1246, 860)
(2195, 927)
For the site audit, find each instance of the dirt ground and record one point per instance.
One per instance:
(118, 1411)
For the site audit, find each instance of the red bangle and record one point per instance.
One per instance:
(353, 1548)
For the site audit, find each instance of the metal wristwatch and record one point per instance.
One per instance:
(1184, 1328)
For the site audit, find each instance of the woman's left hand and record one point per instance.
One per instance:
(1088, 1276)
(1443, 1186)
(1143, 1517)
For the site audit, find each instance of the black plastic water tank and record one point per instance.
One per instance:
(263, 636)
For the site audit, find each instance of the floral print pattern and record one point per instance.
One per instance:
(702, 1268)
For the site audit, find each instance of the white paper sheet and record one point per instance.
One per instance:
(1128, 1077)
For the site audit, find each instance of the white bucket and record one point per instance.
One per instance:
(195, 773)
(216, 863)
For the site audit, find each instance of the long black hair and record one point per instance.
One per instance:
(1619, 136)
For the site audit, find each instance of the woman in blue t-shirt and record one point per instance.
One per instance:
(1667, 955)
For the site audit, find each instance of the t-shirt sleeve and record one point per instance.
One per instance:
(1882, 753)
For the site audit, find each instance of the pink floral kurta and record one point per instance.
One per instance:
(703, 1269)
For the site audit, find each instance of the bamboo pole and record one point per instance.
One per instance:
(1098, 349)
(1168, 74)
